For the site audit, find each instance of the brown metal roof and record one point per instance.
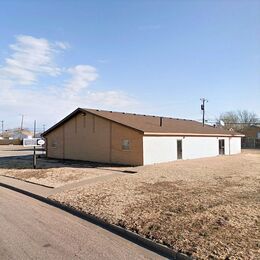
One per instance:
(150, 125)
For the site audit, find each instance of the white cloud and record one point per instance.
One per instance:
(111, 98)
(33, 57)
(62, 45)
(30, 58)
(50, 105)
(82, 75)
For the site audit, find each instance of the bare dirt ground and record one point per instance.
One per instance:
(16, 161)
(208, 208)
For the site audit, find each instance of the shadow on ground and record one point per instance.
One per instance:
(26, 162)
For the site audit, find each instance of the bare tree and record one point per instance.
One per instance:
(246, 117)
(238, 120)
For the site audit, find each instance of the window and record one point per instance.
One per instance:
(54, 144)
(258, 135)
(125, 145)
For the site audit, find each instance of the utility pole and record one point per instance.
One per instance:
(34, 149)
(43, 128)
(202, 107)
(22, 123)
(2, 123)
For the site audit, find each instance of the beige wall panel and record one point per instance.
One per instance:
(87, 138)
(81, 138)
(55, 143)
(93, 138)
(135, 155)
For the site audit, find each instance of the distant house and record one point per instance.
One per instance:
(132, 139)
(16, 134)
(252, 131)
(252, 137)
(22, 134)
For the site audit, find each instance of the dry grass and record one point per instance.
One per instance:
(51, 173)
(16, 161)
(207, 208)
(54, 177)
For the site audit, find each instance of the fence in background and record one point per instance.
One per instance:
(8, 142)
(249, 142)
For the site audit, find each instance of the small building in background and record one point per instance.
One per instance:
(133, 139)
(14, 136)
(252, 137)
(22, 134)
(252, 131)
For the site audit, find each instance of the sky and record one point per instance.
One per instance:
(149, 57)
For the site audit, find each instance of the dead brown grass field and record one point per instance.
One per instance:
(208, 208)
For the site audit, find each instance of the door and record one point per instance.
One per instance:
(221, 146)
(179, 149)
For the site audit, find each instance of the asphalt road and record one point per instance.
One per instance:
(17, 150)
(30, 229)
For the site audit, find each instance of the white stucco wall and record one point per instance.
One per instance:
(235, 145)
(198, 147)
(164, 148)
(159, 149)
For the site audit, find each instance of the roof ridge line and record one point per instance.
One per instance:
(138, 114)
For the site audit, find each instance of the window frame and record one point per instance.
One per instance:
(54, 144)
(125, 147)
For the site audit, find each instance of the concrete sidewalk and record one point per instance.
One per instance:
(81, 183)
(45, 191)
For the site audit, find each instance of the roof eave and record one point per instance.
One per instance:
(65, 119)
(82, 110)
(192, 134)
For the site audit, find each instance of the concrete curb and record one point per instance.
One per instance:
(131, 236)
